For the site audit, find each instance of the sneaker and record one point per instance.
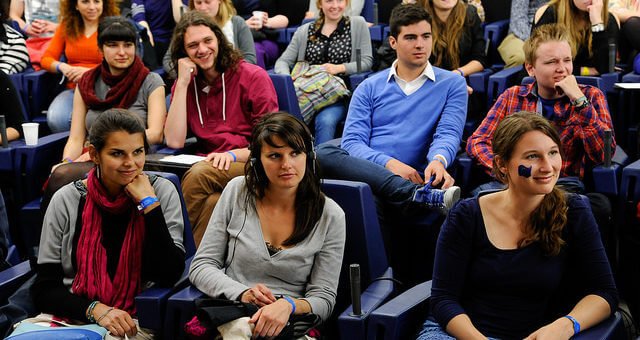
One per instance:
(437, 198)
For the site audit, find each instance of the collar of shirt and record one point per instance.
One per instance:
(411, 86)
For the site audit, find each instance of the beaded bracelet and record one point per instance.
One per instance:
(89, 314)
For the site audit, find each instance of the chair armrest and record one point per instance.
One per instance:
(357, 78)
(606, 179)
(478, 81)
(495, 32)
(41, 87)
(463, 167)
(151, 302)
(376, 32)
(611, 328)
(355, 327)
(12, 278)
(500, 81)
(181, 307)
(398, 318)
(630, 176)
(631, 78)
(609, 81)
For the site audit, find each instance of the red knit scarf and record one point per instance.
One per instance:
(92, 279)
(123, 90)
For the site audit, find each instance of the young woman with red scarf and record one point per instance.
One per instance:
(120, 81)
(105, 237)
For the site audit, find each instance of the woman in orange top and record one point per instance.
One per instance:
(77, 38)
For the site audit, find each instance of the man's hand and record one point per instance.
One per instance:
(436, 170)
(220, 160)
(404, 171)
(569, 86)
(187, 69)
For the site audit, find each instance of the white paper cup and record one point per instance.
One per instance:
(258, 17)
(30, 133)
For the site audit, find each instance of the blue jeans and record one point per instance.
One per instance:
(336, 163)
(59, 113)
(326, 121)
(431, 330)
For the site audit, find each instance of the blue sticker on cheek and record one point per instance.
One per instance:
(524, 171)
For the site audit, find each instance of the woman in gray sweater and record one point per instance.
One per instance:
(274, 239)
(332, 41)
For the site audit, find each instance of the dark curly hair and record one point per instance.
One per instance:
(228, 57)
(71, 18)
(309, 202)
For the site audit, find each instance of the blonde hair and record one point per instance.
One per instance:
(446, 35)
(320, 21)
(543, 34)
(225, 11)
(577, 22)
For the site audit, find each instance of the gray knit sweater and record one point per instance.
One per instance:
(308, 270)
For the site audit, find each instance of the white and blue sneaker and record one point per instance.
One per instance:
(440, 199)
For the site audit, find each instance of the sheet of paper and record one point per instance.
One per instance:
(628, 86)
(182, 159)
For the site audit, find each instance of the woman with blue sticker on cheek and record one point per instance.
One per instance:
(524, 262)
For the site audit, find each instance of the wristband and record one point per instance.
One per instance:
(576, 324)
(232, 155)
(461, 72)
(293, 304)
(584, 71)
(146, 202)
(58, 67)
(66, 160)
(89, 314)
(441, 159)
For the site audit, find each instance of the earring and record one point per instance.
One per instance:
(98, 174)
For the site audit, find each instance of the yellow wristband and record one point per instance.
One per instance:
(584, 71)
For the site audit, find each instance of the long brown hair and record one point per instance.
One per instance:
(550, 217)
(577, 22)
(446, 35)
(228, 57)
(71, 18)
(309, 202)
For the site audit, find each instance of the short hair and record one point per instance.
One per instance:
(309, 202)
(114, 120)
(116, 29)
(405, 15)
(228, 57)
(543, 34)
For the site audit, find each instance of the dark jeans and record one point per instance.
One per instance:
(19, 307)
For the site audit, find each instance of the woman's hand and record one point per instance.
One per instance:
(220, 160)
(595, 12)
(116, 321)
(562, 328)
(73, 73)
(270, 320)
(140, 188)
(333, 68)
(259, 295)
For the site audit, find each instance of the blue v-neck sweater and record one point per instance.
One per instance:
(384, 123)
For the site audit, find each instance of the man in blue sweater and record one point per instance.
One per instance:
(403, 122)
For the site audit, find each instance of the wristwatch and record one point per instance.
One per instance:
(580, 103)
(597, 28)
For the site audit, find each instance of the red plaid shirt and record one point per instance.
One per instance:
(581, 131)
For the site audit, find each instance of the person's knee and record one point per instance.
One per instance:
(59, 112)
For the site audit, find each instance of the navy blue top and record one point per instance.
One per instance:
(511, 293)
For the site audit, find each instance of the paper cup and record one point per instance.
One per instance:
(30, 133)
(258, 17)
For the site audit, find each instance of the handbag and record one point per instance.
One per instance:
(316, 88)
(36, 46)
(214, 315)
